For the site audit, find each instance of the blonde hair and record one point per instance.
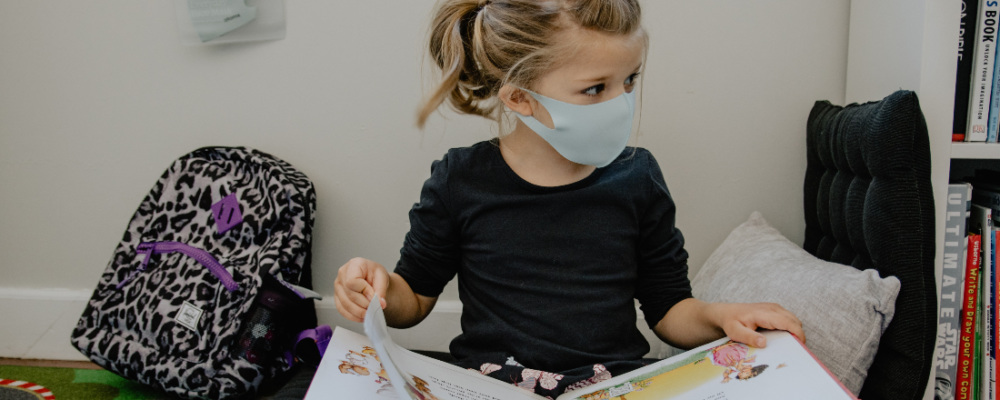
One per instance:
(480, 46)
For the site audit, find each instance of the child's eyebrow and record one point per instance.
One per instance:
(604, 78)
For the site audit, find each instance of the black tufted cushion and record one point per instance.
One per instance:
(869, 204)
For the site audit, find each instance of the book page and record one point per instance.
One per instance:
(725, 370)
(425, 378)
(350, 369)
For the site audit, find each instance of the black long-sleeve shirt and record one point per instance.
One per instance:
(547, 274)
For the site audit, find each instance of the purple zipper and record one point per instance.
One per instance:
(203, 257)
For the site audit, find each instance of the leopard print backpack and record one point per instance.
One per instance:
(206, 294)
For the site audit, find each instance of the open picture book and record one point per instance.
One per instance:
(372, 366)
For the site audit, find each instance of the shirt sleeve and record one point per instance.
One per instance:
(430, 254)
(663, 271)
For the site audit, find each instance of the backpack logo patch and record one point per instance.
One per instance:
(189, 315)
(227, 213)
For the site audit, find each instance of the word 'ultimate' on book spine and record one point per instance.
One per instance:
(952, 289)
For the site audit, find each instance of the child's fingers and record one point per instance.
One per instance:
(359, 292)
(358, 281)
(379, 285)
(351, 298)
(782, 319)
(797, 331)
(750, 317)
(350, 310)
(354, 298)
(748, 335)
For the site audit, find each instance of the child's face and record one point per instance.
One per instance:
(600, 67)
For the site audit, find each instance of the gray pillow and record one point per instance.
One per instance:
(843, 310)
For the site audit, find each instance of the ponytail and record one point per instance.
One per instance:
(455, 43)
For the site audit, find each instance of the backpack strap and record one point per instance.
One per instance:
(316, 341)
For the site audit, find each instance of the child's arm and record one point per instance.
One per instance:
(692, 322)
(360, 279)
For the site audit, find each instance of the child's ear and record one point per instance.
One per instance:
(516, 100)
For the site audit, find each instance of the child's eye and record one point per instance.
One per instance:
(594, 90)
(631, 79)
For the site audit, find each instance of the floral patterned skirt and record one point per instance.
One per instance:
(549, 384)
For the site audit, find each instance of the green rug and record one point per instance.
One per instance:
(69, 384)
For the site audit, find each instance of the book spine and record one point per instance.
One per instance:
(966, 354)
(984, 341)
(991, 365)
(952, 289)
(966, 48)
(994, 113)
(980, 222)
(982, 71)
(983, 338)
(977, 352)
(995, 389)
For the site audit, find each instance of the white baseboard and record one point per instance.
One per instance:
(37, 324)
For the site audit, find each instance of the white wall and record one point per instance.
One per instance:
(98, 97)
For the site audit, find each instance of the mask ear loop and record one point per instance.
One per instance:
(537, 100)
(638, 99)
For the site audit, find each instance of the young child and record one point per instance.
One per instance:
(555, 228)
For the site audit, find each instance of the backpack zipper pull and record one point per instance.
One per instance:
(143, 248)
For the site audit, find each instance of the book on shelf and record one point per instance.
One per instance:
(952, 288)
(966, 379)
(979, 345)
(981, 222)
(372, 366)
(966, 48)
(982, 71)
(990, 366)
(994, 102)
(992, 380)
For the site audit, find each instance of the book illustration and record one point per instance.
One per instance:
(736, 358)
(727, 363)
(419, 389)
(362, 362)
(353, 370)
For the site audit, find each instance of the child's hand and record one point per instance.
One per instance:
(357, 282)
(740, 321)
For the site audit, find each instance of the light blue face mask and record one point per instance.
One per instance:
(592, 134)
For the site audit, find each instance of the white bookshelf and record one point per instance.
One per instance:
(976, 151)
